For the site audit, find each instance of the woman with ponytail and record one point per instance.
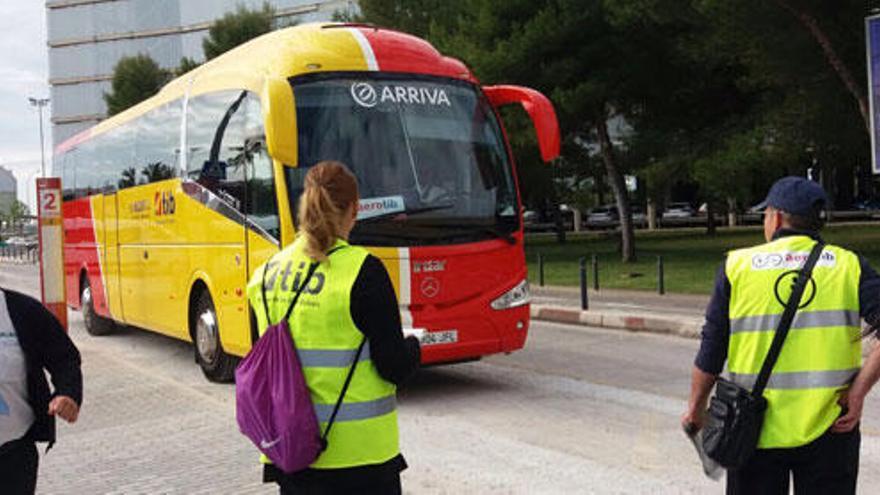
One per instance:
(346, 322)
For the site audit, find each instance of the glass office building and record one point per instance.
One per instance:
(88, 37)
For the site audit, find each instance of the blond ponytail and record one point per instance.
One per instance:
(330, 189)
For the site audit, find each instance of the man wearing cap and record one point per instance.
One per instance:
(818, 385)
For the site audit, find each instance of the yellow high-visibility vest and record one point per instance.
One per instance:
(365, 430)
(822, 352)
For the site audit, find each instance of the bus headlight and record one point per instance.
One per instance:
(515, 297)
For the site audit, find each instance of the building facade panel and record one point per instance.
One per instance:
(86, 21)
(8, 190)
(80, 99)
(98, 60)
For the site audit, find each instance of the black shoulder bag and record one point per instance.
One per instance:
(736, 414)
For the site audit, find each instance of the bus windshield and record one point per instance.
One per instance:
(428, 153)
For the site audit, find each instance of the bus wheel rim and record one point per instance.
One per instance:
(86, 305)
(206, 336)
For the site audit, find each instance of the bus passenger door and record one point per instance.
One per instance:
(110, 266)
(131, 235)
(220, 143)
(263, 225)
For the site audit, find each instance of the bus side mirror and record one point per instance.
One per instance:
(540, 110)
(279, 113)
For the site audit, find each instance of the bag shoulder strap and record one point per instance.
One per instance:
(357, 358)
(351, 369)
(785, 321)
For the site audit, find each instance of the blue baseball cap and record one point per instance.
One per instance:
(796, 195)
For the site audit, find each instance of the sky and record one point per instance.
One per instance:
(24, 72)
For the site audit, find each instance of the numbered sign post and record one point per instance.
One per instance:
(51, 247)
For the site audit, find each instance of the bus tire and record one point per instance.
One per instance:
(95, 324)
(215, 363)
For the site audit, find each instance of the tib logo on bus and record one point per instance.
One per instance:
(366, 95)
(163, 203)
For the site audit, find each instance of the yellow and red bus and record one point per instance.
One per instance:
(171, 205)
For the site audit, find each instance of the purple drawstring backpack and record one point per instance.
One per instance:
(272, 401)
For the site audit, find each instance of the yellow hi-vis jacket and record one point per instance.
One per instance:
(365, 430)
(822, 352)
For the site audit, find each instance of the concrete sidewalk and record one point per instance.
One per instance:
(640, 311)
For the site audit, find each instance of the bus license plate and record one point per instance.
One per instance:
(442, 337)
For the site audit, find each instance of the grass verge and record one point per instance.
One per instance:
(690, 257)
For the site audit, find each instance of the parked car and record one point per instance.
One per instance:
(602, 217)
(869, 204)
(607, 213)
(756, 208)
(678, 210)
(21, 241)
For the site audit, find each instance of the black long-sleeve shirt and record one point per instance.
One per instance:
(376, 314)
(716, 329)
(46, 346)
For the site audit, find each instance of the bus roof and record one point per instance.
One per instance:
(304, 49)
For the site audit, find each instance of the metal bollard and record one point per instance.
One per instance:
(661, 287)
(540, 270)
(585, 304)
(595, 262)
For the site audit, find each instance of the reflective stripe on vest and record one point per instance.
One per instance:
(799, 379)
(331, 358)
(821, 353)
(353, 411)
(365, 429)
(803, 319)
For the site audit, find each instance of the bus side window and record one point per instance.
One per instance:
(87, 169)
(157, 143)
(119, 165)
(262, 206)
(68, 177)
(216, 139)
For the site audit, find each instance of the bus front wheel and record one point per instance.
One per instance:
(95, 324)
(215, 363)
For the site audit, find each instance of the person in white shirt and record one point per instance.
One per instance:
(32, 341)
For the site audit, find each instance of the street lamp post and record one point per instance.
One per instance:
(40, 103)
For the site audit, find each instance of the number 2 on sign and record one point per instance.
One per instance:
(50, 201)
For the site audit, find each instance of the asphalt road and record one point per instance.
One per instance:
(579, 410)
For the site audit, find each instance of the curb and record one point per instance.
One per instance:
(682, 326)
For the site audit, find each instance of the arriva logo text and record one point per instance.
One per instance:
(790, 260)
(366, 95)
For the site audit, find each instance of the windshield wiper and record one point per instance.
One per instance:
(413, 211)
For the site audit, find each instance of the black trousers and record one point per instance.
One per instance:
(386, 486)
(18, 467)
(828, 465)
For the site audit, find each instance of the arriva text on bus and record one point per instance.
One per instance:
(366, 95)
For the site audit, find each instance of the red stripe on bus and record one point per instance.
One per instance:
(81, 252)
(73, 141)
(400, 52)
